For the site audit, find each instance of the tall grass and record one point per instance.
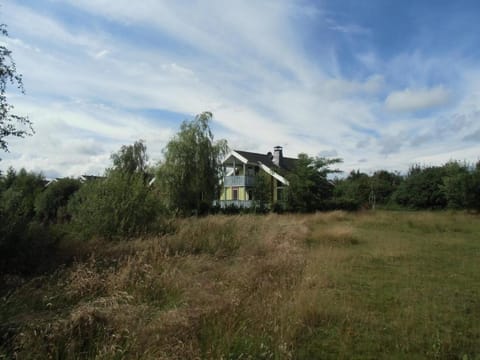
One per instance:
(332, 285)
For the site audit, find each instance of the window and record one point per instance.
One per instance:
(280, 194)
(235, 193)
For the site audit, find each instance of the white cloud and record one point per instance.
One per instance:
(417, 99)
(245, 61)
(72, 139)
(101, 54)
(336, 87)
(347, 28)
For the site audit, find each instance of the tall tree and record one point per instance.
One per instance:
(191, 171)
(122, 205)
(10, 124)
(131, 159)
(309, 186)
(456, 184)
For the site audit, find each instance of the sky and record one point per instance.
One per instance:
(382, 84)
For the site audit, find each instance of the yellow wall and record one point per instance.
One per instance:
(229, 194)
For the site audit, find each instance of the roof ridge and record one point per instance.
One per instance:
(250, 152)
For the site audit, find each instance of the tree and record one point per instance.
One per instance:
(356, 187)
(384, 184)
(51, 204)
(422, 188)
(262, 191)
(365, 190)
(131, 159)
(455, 184)
(309, 187)
(24, 243)
(120, 205)
(117, 207)
(10, 124)
(473, 189)
(190, 174)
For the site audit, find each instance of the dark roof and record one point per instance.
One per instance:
(92, 177)
(266, 159)
(289, 163)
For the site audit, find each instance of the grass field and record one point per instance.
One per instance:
(371, 285)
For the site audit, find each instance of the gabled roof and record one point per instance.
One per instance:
(84, 178)
(265, 161)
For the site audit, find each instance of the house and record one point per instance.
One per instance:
(241, 169)
(87, 178)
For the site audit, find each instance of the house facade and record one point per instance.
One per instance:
(242, 170)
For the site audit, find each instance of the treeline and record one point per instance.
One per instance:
(314, 187)
(454, 185)
(132, 199)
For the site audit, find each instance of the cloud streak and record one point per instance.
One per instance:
(417, 99)
(100, 74)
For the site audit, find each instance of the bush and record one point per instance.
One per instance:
(473, 197)
(422, 189)
(29, 251)
(342, 204)
(51, 204)
(278, 207)
(24, 243)
(121, 205)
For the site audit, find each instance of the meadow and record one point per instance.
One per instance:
(337, 285)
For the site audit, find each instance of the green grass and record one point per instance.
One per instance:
(410, 289)
(371, 285)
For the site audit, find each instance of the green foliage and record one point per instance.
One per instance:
(473, 189)
(455, 184)
(262, 191)
(461, 185)
(51, 204)
(131, 159)
(190, 174)
(10, 124)
(341, 203)
(356, 187)
(364, 190)
(22, 240)
(120, 205)
(309, 187)
(422, 188)
(384, 184)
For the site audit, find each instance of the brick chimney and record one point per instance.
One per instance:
(277, 155)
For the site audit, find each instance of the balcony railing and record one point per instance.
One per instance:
(236, 203)
(239, 181)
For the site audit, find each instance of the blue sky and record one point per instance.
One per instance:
(382, 84)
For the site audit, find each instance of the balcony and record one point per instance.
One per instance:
(236, 203)
(238, 181)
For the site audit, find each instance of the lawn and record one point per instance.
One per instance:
(366, 285)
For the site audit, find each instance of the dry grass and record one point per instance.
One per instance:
(334, 285)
